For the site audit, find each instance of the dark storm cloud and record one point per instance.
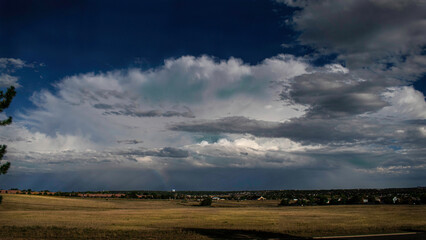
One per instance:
(103, 106)
(173, 152)
(331, 95)
(414, 137)
(363, 32)
(421, 122)
(229, 125)
(323, 130)
(382, 45)
(130, 141)
(310, 130)
(151, 113)
(302, 129)
(166, 152)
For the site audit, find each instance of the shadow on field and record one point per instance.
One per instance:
(239, 234)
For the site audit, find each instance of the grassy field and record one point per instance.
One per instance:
(26, 216)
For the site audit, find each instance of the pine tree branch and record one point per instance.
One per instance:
(6, 98)
(4, 168)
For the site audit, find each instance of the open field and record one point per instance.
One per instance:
(24, 216)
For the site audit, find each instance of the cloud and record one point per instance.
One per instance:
(282, 113)
(290, 145)
(12, 63)
(38, 152)
(166, 152)
(103, 109)
(235, 124)
(23, 139)
(184, 80)
(7, 80)
(249, 152)
(300, 129)
(9, 66)
(151, 113)
(131, 110)
(363, 32)
(352, 122)
(309, 131)
(230, 163)
(132, 102)
(129, 141)
(404, 103)
(334, 94)
(103, 106)
(239, 152)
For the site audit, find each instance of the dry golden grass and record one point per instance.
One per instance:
(171, 218)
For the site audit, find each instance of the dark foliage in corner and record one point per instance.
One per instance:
(5, 100)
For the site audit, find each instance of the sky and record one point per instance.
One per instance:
(214, 95)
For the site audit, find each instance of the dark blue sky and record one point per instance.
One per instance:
(95, 35)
